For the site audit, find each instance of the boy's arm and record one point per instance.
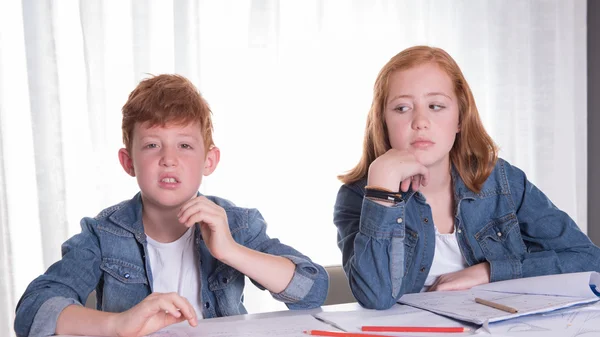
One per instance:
(155, 312)
(271, 271)
(67, 282)
(290, 276)
(304, 282)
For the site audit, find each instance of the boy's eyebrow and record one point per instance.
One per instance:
(188, 135)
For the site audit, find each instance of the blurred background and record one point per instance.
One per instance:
(289, 83)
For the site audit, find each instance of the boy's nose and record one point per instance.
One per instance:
(168, 159)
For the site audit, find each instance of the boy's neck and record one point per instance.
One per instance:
(162, 224)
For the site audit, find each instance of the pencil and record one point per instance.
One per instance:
(342, 334)
(496, 305)
(414, 329)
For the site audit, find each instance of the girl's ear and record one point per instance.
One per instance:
(126, 162)
(212, 160)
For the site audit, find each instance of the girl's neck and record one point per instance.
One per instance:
(440, 179)
(161, 224)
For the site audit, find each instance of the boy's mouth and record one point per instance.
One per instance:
(169, 180)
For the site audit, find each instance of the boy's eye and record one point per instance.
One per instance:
(152, 146)
(436, 107)
(186, 146)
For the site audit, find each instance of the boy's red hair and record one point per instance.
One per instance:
(166, 99)
(473, 154)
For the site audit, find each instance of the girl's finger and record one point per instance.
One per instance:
(416, 182)
(405, 185)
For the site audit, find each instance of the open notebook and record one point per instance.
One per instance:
(529, 296)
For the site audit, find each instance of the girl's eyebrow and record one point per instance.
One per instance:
(438, 94)
(435, 93)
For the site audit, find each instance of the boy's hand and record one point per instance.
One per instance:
(213, 225)
(155, 312)
(463, 279)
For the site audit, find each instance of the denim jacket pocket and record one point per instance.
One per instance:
(223, 277)
(124, 272)
(410, 243)
(501, 239)
(227, 285)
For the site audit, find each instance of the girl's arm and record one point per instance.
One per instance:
(555, 244)
(372, 242)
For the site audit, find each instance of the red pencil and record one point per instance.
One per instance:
(342, 334)
(414, 329)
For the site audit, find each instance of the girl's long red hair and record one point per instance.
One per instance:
(473, 154)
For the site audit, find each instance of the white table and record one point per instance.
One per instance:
(583, 322)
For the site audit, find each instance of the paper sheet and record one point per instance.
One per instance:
(289, 326)
(584, 322)
(398, 315)
(521, 294)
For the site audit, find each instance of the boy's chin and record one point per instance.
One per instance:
(168, 202)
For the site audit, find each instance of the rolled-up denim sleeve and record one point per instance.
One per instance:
(554, 242)
(44, 322)
(308, 286)
(68, 281)
(371, 238)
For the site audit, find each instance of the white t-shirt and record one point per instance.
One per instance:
(446, 259)
(175, 268)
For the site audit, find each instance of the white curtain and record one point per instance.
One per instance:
(289, 83)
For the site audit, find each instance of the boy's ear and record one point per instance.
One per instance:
(126, 162)
(212, 160)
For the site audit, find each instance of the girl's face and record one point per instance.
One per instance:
(421, 113)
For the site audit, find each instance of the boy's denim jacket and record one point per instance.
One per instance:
(110, 255)
(387, 251)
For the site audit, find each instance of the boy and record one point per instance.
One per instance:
(169, 254)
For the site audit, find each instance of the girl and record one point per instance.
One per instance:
(431, 207)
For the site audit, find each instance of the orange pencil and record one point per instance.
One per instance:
(341, 334)
(414, 329)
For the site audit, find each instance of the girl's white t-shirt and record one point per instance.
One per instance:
(446, 259)
(174, 268)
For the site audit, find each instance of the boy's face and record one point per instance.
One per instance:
(168, 162)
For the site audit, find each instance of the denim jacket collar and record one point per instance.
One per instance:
(129, 216)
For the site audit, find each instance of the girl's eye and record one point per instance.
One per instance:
(436, 107)
(401, 108)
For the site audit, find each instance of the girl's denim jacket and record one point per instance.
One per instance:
(110, 255)
(387, 251)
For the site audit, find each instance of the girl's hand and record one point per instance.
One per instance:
(155, 312)
(463, 279)
(397, 170)
(213, 225)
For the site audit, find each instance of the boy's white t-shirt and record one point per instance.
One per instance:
(446, 259)
(175, 269)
